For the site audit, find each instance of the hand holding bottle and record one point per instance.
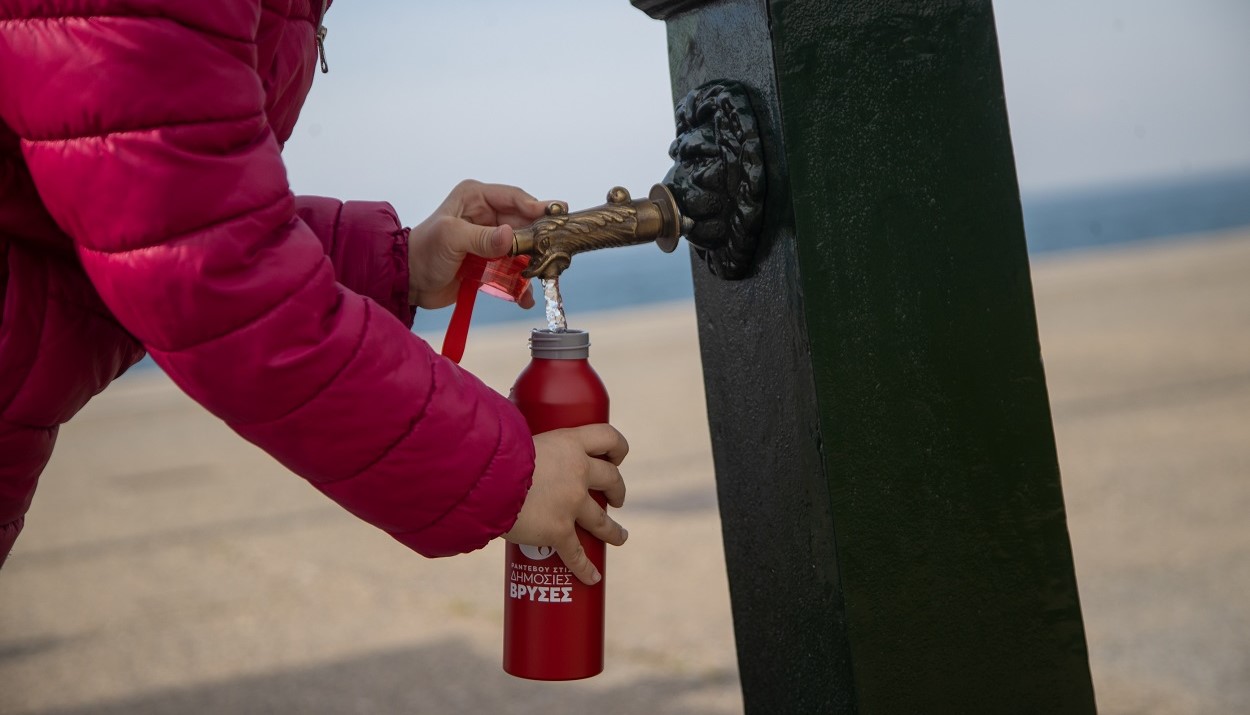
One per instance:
(567, 463)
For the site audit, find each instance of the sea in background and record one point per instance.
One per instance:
(1066, 221)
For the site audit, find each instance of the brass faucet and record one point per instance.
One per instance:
(554, 239)
(713, 195)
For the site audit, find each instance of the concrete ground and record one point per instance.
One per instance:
(167, 567)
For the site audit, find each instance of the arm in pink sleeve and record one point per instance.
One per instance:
(366, 244)
(147, 139)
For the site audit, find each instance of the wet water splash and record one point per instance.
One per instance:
(556, 322)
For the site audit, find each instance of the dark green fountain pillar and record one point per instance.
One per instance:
(893, 519)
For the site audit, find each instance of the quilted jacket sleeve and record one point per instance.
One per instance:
(60, 347)
(145, 132)
(366, 244)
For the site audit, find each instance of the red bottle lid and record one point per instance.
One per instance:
(500, 277)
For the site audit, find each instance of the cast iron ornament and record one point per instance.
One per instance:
(718, 176)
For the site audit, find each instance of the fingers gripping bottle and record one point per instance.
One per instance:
(553, 623)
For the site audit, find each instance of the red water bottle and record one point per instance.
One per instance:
(552, 622)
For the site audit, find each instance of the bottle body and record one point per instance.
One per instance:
(554, 623)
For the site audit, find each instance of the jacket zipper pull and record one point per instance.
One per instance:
(321, 48)
(321, 37)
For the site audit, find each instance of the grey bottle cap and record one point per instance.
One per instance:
(567, 345)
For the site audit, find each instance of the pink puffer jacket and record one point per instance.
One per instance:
(144, 206)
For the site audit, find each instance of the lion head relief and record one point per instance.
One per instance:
(718, 176)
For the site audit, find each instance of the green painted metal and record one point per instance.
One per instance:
(889, 489)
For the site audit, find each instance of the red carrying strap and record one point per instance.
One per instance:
(457, 335)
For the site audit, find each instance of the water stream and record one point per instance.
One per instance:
(556, 321)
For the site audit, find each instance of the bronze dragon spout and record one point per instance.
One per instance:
(622, 221)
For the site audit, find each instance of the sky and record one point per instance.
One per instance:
(567, 98)
(1105, 91)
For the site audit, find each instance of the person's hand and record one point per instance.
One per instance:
(475, 218)
(566, 464)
